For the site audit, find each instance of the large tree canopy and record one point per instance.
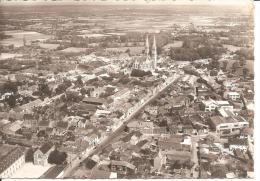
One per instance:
(57, 157)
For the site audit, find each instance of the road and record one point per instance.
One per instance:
(130, 114)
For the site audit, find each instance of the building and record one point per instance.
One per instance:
(177, 143)
(180, 102)
(237, 143)
(54, 172)
(230, 84)
(145, 127)
(228, 125)
(232, 95)
(149, 63)
(41, 155)
(93, 101)
(119, 167)
(11, 159)
(211, 105)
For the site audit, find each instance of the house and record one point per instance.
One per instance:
(225, 113)
(29, 121)
(237, 143)
(43, 125)
(180, 102)
(230, 84)
(94, 101)
(41, 155)
(11, 159)
(28, 108)
(177, 142)
(228, 125)
(61, 127)
(83, 109)
(211, 105)
(231, 95)
(202, 91)
(152, 110)
(145, 127)
(12, 128)
(121, 167)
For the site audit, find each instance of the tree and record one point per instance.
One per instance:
(235, 66)
(225, 63)
(214, 64)
(44, 90)
(10, 87)
(127, 51)
(57, 157)
(29, 155)
(245, 72)
(11, 101)
(139, 73)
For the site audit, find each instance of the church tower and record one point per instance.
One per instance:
(24, 40)
(154, 53)
(147, 49)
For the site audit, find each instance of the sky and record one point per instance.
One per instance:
(126, 2)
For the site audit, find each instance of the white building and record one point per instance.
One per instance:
(211, 105)
(41, 155)
(232, 95)
(12, 160)
(240, 144)
(230, 84)
(228, 125)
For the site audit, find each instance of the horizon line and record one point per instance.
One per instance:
(128, 2)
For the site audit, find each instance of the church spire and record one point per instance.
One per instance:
(154, 52)
(24, 40)
(147, 47)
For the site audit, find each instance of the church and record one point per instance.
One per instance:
(148, 63)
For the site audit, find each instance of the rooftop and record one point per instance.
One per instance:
(46, 147)
(219, 120)
(9, 154)
(53, 172)
(94, 100)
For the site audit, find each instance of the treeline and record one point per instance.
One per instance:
(196, 49)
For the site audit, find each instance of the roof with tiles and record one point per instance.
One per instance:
(11, 156)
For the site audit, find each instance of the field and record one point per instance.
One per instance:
(231, 47)
(94, 35)
(19, 35)
(74, 50)
(49, 46)
(4, 56)
(176, 44)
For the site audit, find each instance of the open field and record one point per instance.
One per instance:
(4, 56)
(19, 35)
(231, 48)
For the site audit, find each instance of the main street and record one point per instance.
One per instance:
(129, 115)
